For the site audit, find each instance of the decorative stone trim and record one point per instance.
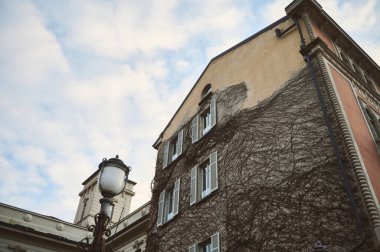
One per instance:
(367, 95)
(28, 217)
(353, 155)
(60, 227)
(309, 29)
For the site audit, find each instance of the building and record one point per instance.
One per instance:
(22, 230)
(128, 230)
(276, 147)
(89, 205)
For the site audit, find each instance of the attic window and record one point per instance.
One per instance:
(206, 90)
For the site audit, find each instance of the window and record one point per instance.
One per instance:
(173, 149)
(369, 82)
(201, 124)
(205, 173)
(84, 208)
(345, 60)
(205, 246)
(358, 72)
(209, 245)
(112, 211)
(373, 120)
(206, 121)
(206, 90)
(168, 203)
(204, 178)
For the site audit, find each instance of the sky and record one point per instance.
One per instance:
(85, 80)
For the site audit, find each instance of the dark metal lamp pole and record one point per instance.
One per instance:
(112, 180)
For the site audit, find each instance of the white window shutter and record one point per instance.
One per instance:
(215, 242)
(193, 248)
(166, 154)
(194, 129)
(214, 170)
(179, 142)
(193, 186)
(160, 214)
(176, 197)
(213, 112)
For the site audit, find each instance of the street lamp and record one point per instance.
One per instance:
(112, 180)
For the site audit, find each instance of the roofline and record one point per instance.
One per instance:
(281, 20)
(52, 218)
(291, 9)
(130, 214)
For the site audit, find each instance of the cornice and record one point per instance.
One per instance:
(335, 32)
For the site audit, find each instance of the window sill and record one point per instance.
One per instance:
(173, 161)
(167, 221)
(205, 198)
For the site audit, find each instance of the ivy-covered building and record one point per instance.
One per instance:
(276, 147)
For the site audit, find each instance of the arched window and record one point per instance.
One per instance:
(206, 90)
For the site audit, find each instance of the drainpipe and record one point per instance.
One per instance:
(335, 146)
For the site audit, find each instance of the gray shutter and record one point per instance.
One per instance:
(194, 129)
(193, 186)
(213, 112)
(179, 142)
(160, 214)
(193, 248)
(214, 170)
(166, 154)
(176, 197)
(215, 242)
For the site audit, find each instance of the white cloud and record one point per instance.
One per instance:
(83, 81)
(22, 60)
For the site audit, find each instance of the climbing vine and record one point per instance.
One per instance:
(280, 188)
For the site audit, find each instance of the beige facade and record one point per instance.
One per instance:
(253, 62)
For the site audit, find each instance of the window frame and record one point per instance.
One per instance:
(168, 153)
(163, 214)
(197, 125)
(372, 119)
(213, 241)
(197, 180)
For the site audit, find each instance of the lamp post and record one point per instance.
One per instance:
(112, 180)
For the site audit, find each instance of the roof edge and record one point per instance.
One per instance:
(155, 144)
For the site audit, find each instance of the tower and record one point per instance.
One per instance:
(89, 204)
